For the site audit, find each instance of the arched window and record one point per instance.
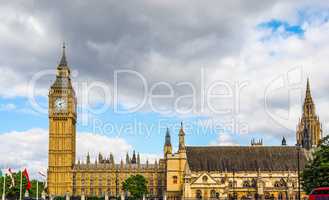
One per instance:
(174, 179)
(283, 183)
(246, 184)
(212, 194)
(230, 184)
(280, 196)
(198, 194)
(276, 184)
(222, 180)
(244, 197)
(253, 183)
(296, 196)
(267, 195)
(204, 178)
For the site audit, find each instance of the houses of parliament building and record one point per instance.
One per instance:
(193, 172)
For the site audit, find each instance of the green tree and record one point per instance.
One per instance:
(136, 186)
(13, 192)
(316, 172)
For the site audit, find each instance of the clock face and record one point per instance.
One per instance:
(60, 104)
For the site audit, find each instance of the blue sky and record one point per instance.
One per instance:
(272, 51)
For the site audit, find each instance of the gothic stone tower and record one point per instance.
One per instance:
(309, 129)
(62, 131)
(175, 166)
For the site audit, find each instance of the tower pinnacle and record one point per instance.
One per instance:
(63, 69)
(308, 96)
(308, 107)
(181, 135)
(284, 142)
(134, 159)
(309, 130)
(63, 61)
(167, 146)
(167, 140)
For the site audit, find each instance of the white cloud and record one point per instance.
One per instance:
(24, 149)
(172, 49)
(29, 149)
(7, 107)
(225, 139)
(95, 143)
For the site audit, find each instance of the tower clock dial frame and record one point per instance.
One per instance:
(60, 104)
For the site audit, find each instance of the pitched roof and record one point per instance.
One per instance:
(244, 158)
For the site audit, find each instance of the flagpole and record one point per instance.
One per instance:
(20, 187)
(4, 188)
(37, 189)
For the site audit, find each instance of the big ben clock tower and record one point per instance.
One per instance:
(62, 131)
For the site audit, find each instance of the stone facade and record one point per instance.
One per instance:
(191, 172)
(104, 178)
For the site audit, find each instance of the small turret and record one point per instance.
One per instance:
(167, 149)
(127, 159)
(100, 158)
(112, 159)
(88, 158)
(181, 147)
(134, 160)
(257, 143)
(284, 142)
(138, 159)
(156, 164)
